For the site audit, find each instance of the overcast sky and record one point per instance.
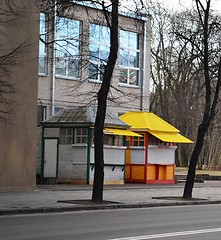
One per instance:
(178, 4)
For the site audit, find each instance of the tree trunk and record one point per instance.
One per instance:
(193, 162)
(99, 155)
(97, 195)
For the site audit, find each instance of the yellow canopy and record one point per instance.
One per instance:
(147, 121)
(170, 137)
(121, 132)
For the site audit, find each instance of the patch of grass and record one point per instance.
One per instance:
(204, 171)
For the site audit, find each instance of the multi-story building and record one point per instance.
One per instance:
(73, 51)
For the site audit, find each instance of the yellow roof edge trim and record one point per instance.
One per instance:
(120, 132)
(170, 137)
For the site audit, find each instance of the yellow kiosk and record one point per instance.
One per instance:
(150, 158)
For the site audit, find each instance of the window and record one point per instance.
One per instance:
(80, 135)
(67, 57)
(119, 141)
(66, 135)
(114, 140)
(152, 140)
(129, 58)
(42, 45)
(99, 51)
(108, 139)
(138, 141)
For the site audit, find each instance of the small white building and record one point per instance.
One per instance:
(67, 150)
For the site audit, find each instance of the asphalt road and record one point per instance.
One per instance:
(186, 222)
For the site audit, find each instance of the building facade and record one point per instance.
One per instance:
(74, 48)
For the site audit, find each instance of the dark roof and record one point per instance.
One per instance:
(82, 116)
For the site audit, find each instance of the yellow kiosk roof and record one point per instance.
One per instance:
(147, 121)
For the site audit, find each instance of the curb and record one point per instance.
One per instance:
(104, 207)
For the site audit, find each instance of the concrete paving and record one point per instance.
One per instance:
(59, 198)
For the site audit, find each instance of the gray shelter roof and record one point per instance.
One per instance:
(82, 116)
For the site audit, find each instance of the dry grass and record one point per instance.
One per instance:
(204, 171)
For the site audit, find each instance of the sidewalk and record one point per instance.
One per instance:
(60, 198)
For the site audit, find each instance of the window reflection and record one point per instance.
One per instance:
(98, 51)
(129, 58)
(93, 71)
(42, 45)
(67, 47)
(123, 75)
(133, 77)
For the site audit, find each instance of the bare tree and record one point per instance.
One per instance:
(112, 20)
(175, 96)
(211, 70)
(180, 59)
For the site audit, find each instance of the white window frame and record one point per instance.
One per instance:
(66, 135)
(80, 136)
(69, 41)
(127, 67)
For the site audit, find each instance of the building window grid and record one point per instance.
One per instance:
(129, 58)
(135, 141)
(99, 51)
(139, 141)
(80, 135)
(68, 37)
(66, 135)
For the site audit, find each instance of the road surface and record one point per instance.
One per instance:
(164, 223)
